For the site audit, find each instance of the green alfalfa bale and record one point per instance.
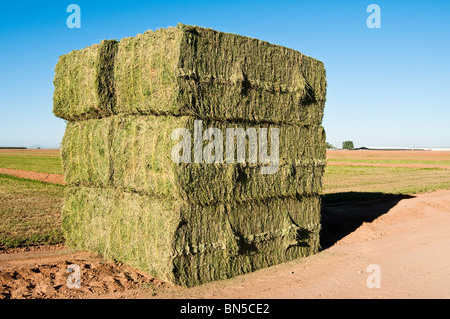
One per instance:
(249, 79)
(261, 220)
(251, 63)
(122, 226)
(84, 84)
(142, 160)
(194, 269)
(250, 222)
(188, 244)
(85, 152)
(254, 256)
(145, 73)
(196, 71)
(150, 137)
(135, 153)
(212, 183)
(192, 71)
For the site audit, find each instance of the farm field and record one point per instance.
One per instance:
(42, 161)
(30, 212)
(365, 174)
(31, 152)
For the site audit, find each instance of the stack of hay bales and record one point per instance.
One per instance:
(189, 223)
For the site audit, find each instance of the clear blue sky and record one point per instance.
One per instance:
(386, 87)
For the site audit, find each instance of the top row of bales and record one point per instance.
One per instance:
(191, 71)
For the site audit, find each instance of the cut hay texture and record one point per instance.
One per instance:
(84, 84)
(190, 223)
(191, 71)
(190, 244)
(134, 153)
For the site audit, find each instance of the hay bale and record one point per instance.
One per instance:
(192, 71)
(134, 153)
(188, 244)
(85, 152)
(84, 84)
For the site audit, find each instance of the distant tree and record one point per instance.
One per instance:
(329, 146)
(348, 145)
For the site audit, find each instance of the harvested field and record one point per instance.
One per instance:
(381, 154)
(430, 158)
(30, 152)
(30, 212)
(399, 164)
(40, 164)
(347, 178)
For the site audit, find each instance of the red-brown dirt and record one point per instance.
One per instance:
(429, 155)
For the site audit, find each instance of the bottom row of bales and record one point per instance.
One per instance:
(190, 244)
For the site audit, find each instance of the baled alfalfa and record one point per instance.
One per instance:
(203, 73)
(86, 153)
(189, 244)
(209, 74)
(84, 84)
(243, 78)
(135, 153)
(209, 183)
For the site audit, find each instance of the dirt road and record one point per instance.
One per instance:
(407, 238)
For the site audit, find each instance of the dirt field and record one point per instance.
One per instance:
(407, 237)
(411, 159)
(414, 155)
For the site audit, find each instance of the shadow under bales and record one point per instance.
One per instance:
(343, 213)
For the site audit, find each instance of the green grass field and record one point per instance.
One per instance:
(394, 180)
(362, 182)
(41, 164)
(30, 210)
